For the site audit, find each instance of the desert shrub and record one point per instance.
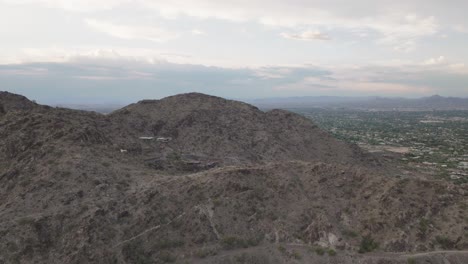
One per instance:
(296, 255)
(167, 244)
(331, 252)
(368, 244)
(423, 226)
(233, 242)
(27, 220)
(320, 251)
(167, 257)
(445, 242)
(217, 202)
(134, 252)
(411, 261)
(245, 258)
(12, 247)
(282, 249)
(254, 241)
(350, 233)
(289, 253)
(174, 156)
(206, 252)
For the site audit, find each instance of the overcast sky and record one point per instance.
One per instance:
(71, 51)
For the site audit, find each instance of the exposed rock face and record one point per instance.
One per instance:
(225, 183)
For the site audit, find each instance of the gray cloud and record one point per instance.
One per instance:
(306, 35)
(82, 81)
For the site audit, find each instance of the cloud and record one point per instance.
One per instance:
(155, 34)
(109, 74)
(197, 32)
(435, 61)
(109, 56)
(398, 24)
(400, 28)
(403, 31)
(337, 84)
(306, 35)
(72, 5)
(460, 28)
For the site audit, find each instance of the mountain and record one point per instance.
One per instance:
(239, 133)
(199, 179)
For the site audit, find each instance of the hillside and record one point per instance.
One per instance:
(233, 184)
(239, 133)
(14, 102)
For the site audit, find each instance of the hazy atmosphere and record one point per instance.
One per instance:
(67, 51)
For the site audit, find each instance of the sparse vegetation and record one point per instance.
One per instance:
(289, 253)
(122, 210)
(167, 257)
(411, 261)
(423, 227)
(205, 252)
(368, 244)
(331, 252)
(167, 244)
(350, 233)
(282, 249)
(245, 258)
(296, 255)
(27, 220)
(134, 252)
(320, 251)
(445, 242)
(217, 202)
(174, 156)
(233, 242)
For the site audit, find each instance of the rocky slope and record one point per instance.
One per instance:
(233, 185)
(12, 102)
(239, 133)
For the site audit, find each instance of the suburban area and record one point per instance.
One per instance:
(433, 142)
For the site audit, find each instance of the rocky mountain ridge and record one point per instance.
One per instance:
(228, 184)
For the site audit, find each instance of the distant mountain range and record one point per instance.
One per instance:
(435, 102)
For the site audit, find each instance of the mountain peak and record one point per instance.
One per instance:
(188, 102)
(182, 97)
(217, 127)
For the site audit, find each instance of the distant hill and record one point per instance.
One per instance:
(14, 102)
(199, 179)
(435, 102)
